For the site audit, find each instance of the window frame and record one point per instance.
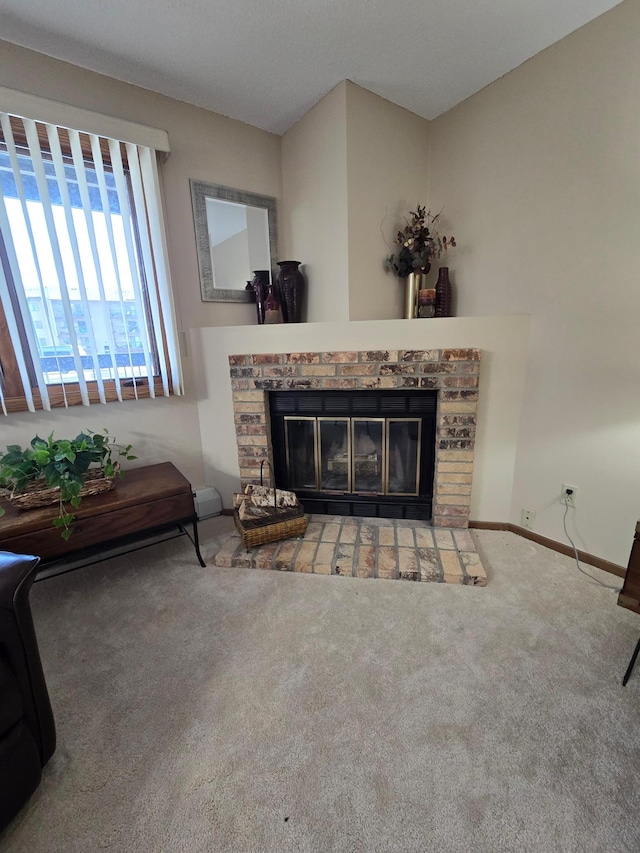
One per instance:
(65, 394)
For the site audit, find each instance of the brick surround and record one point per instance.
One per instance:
(454, 373)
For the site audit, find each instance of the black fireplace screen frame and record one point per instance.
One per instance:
(390, 405)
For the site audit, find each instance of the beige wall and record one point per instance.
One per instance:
(540, 173)
(352, 168)
(387, 165)
(315, 227)
(503, 341)
(205, 146)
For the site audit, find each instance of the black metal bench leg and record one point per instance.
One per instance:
(195, 541)
(196, 544)
(631, 664)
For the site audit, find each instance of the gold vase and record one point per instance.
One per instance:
(413, 283)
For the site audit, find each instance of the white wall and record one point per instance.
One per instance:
(387, 165)
(353, 167)
(314, 223)
(540, 175)
(503, 341)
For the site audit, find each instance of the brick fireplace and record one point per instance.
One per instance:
(453, 373)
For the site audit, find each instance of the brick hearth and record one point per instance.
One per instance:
(366, 548)
(454, 373)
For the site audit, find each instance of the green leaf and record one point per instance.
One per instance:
(76, 501)
(66, 534)
(73, 487)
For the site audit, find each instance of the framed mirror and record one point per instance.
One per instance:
(236, 233)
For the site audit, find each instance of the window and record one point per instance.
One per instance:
(86, 311)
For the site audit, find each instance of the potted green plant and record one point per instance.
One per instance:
(60, 471)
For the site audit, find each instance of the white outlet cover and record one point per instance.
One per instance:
(527, 518)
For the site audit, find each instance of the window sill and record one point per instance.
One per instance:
(74, 398)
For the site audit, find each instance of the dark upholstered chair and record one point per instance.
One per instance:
(27, 730)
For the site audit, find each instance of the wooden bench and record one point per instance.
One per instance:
(146, 501)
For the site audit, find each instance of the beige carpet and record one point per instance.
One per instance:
(233, 710)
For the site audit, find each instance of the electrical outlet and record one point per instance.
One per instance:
(528, 518)
(570, 493)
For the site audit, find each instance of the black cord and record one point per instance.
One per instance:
(575, 550)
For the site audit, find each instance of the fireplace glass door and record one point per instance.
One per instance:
(368, 460)
(334, 448)
(403, 456)
(366, 456)
(300, 438)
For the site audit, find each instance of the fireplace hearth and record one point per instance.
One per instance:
(353, 448)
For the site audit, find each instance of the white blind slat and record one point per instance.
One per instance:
(151, 184)
(43, 190)
(34, 256)
(58, 164)
(147, 254)
(104, 198)
(4, 227)
(83, 188)
(123, 198)
(5, 297)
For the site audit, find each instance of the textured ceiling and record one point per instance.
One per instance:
(266, 62)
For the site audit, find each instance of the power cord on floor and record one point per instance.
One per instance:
(575, 550)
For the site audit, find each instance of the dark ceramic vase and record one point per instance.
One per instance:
(291, 287)
(260, 284)
(443, 293)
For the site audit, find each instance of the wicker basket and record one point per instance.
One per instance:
(280, 523)
(271, 532)
(38, 493)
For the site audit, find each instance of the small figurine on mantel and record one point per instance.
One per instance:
(427, 302)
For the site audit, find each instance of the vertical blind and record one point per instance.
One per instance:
(84, 277)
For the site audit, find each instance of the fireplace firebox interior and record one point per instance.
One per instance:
(363, 454)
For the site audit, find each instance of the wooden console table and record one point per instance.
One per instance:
(630, 595)
(146, 501)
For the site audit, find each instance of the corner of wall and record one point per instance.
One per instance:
(387, 174)
(314, 181)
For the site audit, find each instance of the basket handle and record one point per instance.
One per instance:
(275, 501)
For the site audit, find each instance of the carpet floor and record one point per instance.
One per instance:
(225, 709)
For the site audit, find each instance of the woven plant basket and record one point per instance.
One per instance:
(38, 493)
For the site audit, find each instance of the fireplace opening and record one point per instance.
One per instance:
(364, 453)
